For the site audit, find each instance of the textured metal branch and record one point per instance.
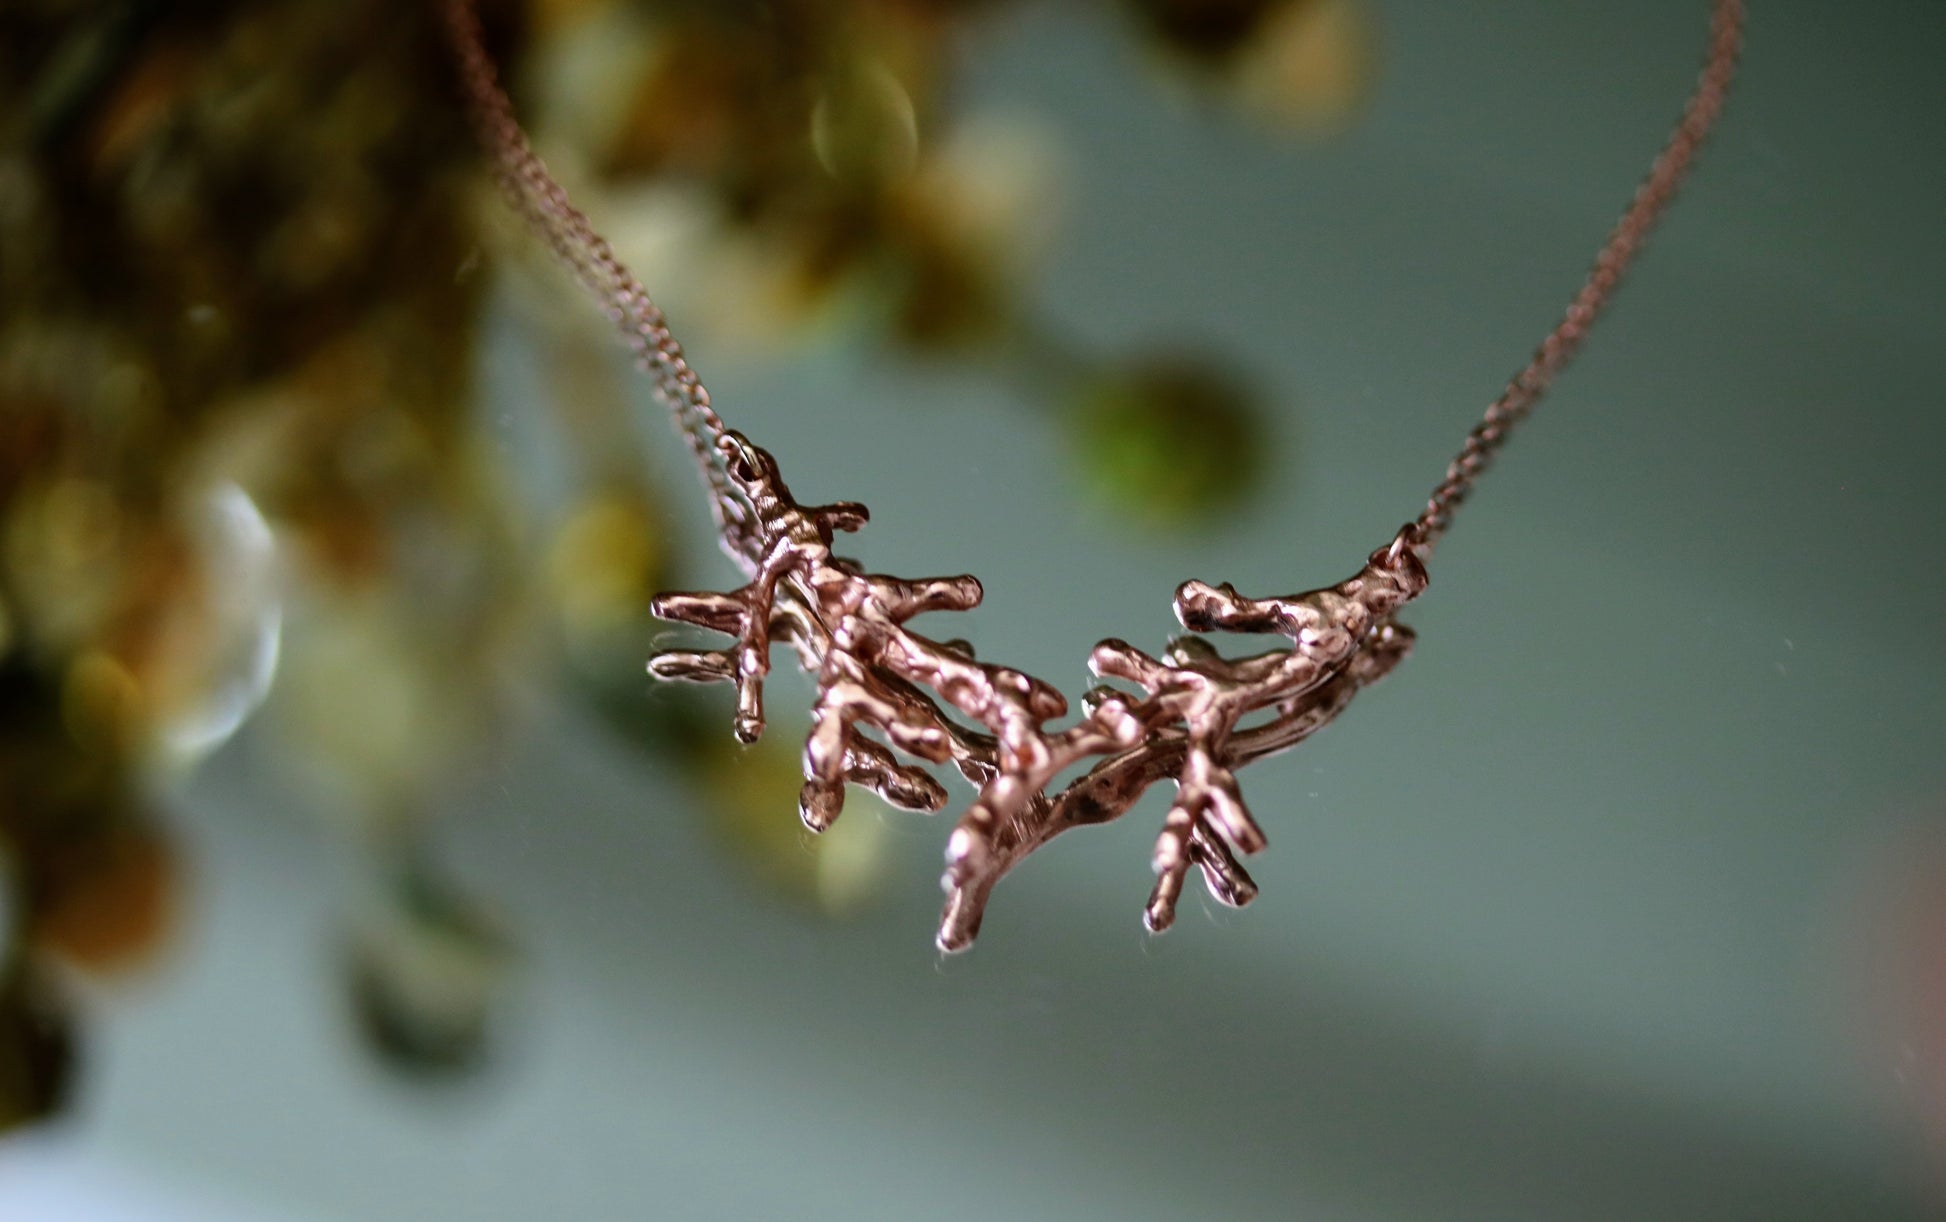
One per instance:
(935, 702)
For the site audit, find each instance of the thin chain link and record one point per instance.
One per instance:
(1564, 342)
(544, 204)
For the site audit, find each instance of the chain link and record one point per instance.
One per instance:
(1562, 344)
(544, 204)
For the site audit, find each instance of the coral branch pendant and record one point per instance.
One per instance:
(934, 702)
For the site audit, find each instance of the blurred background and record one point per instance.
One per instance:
(354, 868)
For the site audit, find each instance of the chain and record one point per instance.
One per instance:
(1562, 344)
(545, 205)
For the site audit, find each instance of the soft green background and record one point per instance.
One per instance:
(1560, 922)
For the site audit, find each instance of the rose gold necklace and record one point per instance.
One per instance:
(933, 701)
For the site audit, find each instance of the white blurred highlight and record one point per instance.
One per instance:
(240, 552)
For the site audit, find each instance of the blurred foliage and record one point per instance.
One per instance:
(424, 963)
(240, 458)
(37, 1050)
(1304, 65)
(1166, 439)
(234, 393)
(801, 167)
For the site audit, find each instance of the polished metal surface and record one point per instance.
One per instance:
(848, 628)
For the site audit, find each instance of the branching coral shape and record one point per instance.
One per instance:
(934, 702)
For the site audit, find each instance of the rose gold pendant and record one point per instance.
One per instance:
(873, 673)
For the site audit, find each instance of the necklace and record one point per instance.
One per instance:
(933, 701)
